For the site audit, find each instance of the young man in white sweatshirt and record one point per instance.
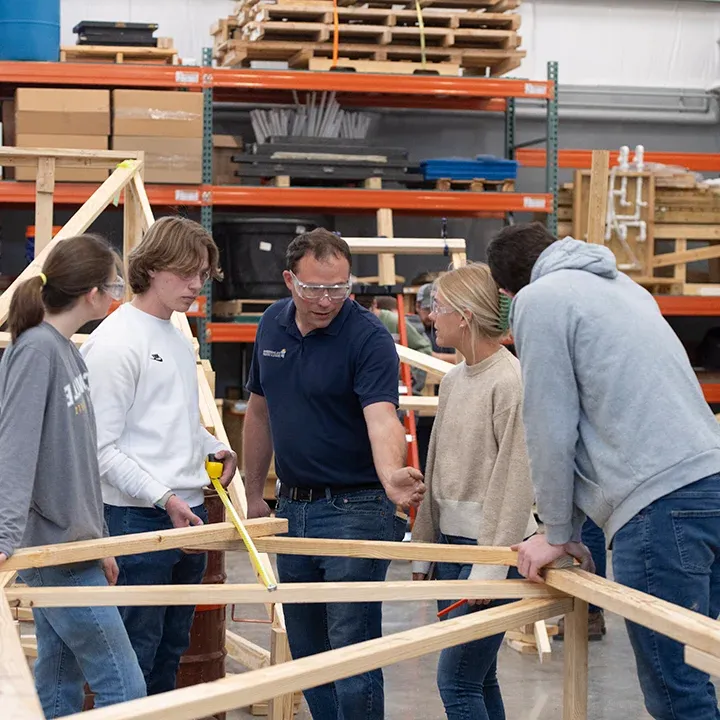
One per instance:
(151, 444)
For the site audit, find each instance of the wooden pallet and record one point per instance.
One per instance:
(318, 12)
(118, 54)
(391, 67)
(476, 185)
(240, 53)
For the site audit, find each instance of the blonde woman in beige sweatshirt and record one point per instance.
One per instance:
(478, 476)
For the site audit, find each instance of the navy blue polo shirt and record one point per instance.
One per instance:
(316, 388)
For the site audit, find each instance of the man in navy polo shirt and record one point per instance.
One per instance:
(324, 394)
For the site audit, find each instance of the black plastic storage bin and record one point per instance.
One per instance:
(252, 255)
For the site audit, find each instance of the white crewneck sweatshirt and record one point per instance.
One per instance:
(143, 384)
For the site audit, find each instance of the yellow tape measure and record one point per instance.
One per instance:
(214, 470)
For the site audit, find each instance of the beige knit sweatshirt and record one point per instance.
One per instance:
(477, 472)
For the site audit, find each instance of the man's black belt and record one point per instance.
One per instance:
(307, 494)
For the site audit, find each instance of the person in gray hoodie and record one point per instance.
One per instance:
(617, 430)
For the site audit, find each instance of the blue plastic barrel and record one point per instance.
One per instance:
(30, 30)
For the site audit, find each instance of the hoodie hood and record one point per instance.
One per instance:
(571, 254)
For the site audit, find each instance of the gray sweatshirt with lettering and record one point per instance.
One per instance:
(614, 415)
(49, 476)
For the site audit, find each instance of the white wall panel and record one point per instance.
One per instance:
(640, 43)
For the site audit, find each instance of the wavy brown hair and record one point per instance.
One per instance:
(175, 244)
(73, 268)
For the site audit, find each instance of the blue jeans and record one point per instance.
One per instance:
(671, 549)
(316, 627)
(467, 674)
(594, 538)
(160, 635)
(79, 645)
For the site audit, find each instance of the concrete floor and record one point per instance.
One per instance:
(531, 691)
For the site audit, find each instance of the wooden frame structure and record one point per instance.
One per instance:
(567, 590)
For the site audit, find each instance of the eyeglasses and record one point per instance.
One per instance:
(440, 309)
(204, 276)
(336, 293)
(116, 290)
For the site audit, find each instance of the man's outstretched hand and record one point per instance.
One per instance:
(405, 487)
(536, 553)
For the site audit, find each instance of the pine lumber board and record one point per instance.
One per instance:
(250, 593)
(384, 550)
(703, 661)
(248, 688)
(665, 231)
(77, 224)
(45, 555)
(598, 196)
(5, 339)
(404, 246)
(685, 626)
(66, 158)
(575, 663)
(686, 256)
(246, 653)
(432, 365)
(17, 689)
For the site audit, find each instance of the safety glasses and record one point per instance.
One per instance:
(336, 293)
(440, 309)
(116, 290)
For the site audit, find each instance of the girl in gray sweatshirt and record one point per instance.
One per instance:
(50, 486)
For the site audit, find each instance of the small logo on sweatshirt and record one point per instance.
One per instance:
(275, 353)
(156, 357)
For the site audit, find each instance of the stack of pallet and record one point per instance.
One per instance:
(468, 37)
(681, 254)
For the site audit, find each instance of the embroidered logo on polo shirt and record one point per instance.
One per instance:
(274, 353)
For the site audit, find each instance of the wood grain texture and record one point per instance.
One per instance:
(575, 673)
(248, 654)
(77, 224)
(433, 366)
(685, 626)
(249, 593)
(383, 550)
(598, 196)
(66, 158)
(45, 555)
(248, 688)
(703, 661)
(17, 689)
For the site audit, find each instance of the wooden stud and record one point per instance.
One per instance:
(703, 661)
(248, 688)
(598, 196)
(575, 687)
(250, 593)
(248, 654)
(686, 256)
(689, 232)
(384, 550)
(542, 641)
(678, 623)
(77, 339)
(405, 246)
(44, 191)
(45, 555)
(66, 158)
(139, 185)
(386, 261)
(77, 224)
(433, 366)
(17, 689)
(680, 271)
(280, 707)
(132, 230)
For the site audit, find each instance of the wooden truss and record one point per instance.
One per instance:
(566, 590)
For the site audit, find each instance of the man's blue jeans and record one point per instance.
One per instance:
(671, 549)
(594, 538)
(79, 645)
(160, 635)
(467, 674)
(316, 627)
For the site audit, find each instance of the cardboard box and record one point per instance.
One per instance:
(224, 147)
(167, 160)
(62, 111)
(157, 113)
(78, 142)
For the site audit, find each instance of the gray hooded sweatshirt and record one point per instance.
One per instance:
(614, 414)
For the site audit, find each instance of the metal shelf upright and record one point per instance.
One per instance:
(206, 211)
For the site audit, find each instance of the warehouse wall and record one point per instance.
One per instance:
(653, 43)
